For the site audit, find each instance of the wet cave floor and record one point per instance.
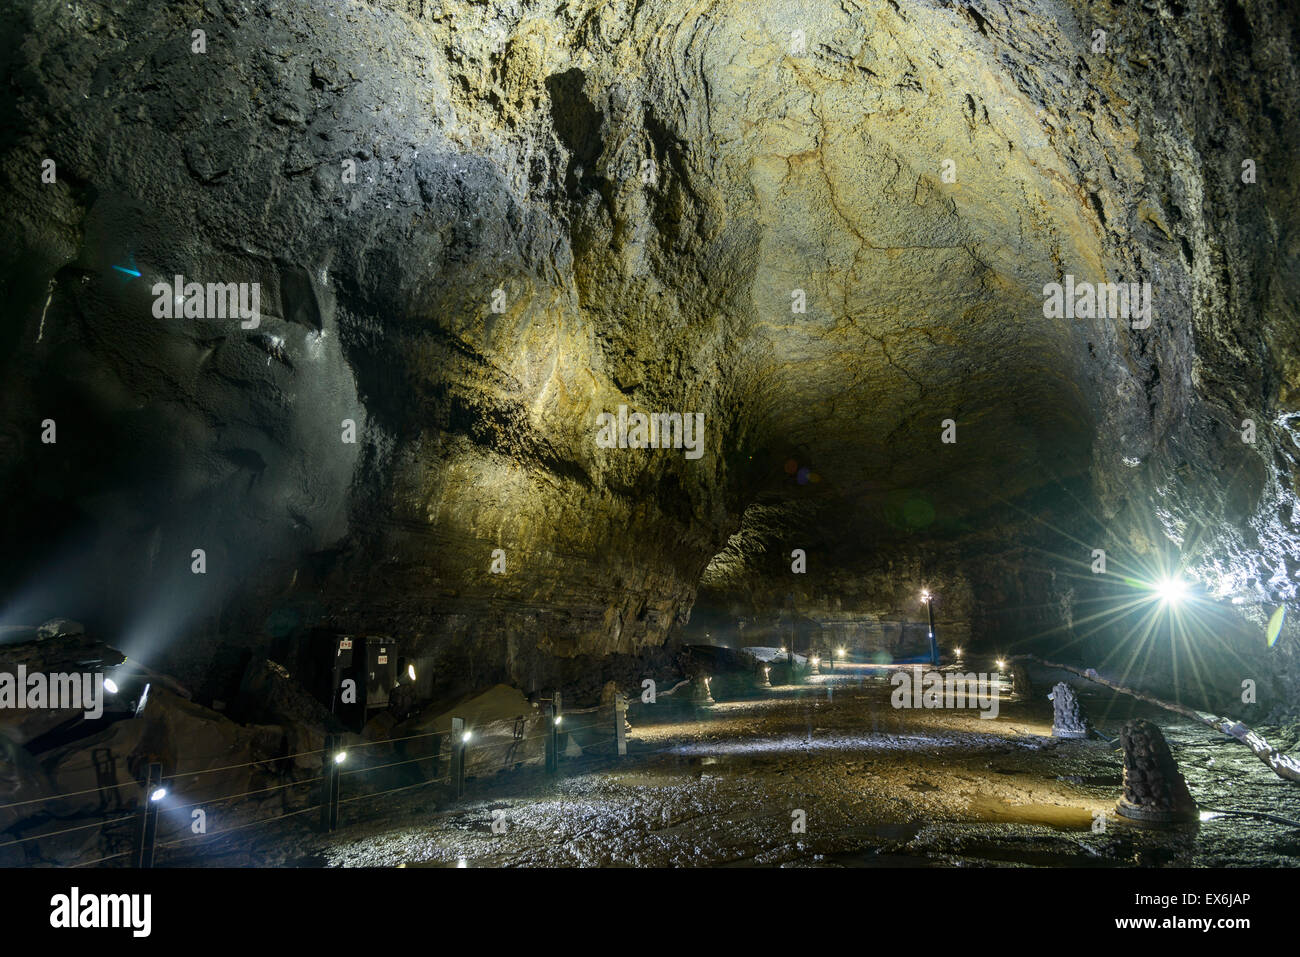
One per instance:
(719, 784)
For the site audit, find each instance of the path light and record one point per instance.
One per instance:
(929, 615)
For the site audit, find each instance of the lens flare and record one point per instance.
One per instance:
(1172, 590)
(1275, 625)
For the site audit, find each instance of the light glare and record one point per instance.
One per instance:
(1171, 590)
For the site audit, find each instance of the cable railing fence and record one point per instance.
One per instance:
(138, 822)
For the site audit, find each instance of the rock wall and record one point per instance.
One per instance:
(826, 227)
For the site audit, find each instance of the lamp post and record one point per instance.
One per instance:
(929, 614)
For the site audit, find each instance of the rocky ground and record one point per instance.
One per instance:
(716, 784)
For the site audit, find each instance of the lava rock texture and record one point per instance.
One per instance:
(1068, 719)
(1154, 788)
(826, 226)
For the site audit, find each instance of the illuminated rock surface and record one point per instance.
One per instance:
(648, 185)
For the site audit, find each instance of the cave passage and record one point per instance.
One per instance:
(827, 771)
(647, 433)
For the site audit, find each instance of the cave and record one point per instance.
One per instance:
(639, 433)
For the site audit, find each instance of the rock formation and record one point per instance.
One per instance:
(1154, 789)
(829, 228)
(1068, 719)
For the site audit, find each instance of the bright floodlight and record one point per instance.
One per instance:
(340, 757)
(110, 686)
(957, 652)
(158, 795)
(410, 670)
(1002, 665)
(465, 737)
(1171, 590)
(925, 596)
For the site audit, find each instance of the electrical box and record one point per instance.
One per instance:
(381, 671)
(343, 652)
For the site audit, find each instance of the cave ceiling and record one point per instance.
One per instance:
(827, 227)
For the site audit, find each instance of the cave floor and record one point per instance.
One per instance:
(719, 784)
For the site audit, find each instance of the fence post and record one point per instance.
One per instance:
(620, 724)
(326, 759)
(148, 817)
(329, 784)
(458, 744)
(553, 735)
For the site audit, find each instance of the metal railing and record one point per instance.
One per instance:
(135, 824)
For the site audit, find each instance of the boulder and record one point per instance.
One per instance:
(58, 649)
(1068, 718)
(21, 779)
(59, 628)
(1155, 791)
(506, 730)
(205, 758)
(268, 694)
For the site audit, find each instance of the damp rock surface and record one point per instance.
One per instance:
(720, 785)
(825, 227)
